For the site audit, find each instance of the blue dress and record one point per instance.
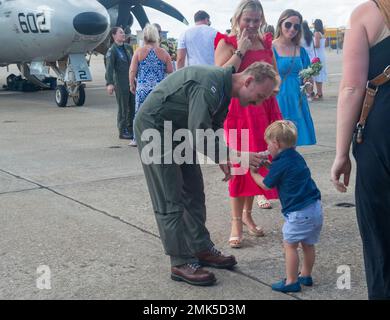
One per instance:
(292, 103)
(151, 71)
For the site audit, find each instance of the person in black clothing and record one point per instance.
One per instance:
(367, 55)
(118, 60)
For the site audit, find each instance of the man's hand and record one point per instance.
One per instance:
(226, 170)
(255, 160)
(110, 89)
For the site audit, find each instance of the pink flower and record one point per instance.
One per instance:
(315, 60)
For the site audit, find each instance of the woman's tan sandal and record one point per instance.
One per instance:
(235, 241)
(263, 203)
(256, 231)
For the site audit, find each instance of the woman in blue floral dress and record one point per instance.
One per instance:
(148, 68)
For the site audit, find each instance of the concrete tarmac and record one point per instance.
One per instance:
(76, 220)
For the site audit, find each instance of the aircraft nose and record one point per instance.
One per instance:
(90, 23)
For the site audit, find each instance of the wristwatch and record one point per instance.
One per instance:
(239, 54)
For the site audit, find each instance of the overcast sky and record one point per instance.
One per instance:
(333, 13)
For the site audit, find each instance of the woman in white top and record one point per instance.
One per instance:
(307, 42)
(319, 51)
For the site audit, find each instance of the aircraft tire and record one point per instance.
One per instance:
(61, 96)
(80, 99)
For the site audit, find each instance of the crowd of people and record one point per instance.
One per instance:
(249, 81)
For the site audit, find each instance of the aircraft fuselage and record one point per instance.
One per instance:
(48, 30)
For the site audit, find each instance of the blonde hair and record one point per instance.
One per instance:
(244, 6)
(284, 16)
(384, 7)
(261, 71)
(283, 131)
(151, 34)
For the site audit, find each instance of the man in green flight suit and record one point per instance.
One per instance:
(192, 99)
(118, 60)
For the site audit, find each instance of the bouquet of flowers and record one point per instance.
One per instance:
(312, 70)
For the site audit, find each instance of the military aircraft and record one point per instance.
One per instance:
(41, 34)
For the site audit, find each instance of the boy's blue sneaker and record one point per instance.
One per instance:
(306, 281)
(282, 287)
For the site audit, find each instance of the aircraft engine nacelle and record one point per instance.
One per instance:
(50, 29)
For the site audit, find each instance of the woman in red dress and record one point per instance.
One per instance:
(244, 46)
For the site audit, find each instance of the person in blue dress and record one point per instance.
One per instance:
(148, 67)
(291, 58)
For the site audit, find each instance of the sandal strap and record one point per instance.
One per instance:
(264, 202)
(237, 218)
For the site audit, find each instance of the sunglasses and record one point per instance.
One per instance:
(288, 25)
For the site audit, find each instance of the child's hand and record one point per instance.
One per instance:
(266, 164)
(264, 154)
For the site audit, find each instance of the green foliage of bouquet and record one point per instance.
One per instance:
(313, 70)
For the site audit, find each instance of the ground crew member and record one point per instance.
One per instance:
(118, 60)
(196, 97)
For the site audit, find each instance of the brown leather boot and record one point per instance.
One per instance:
(214, 258)
(194, 274)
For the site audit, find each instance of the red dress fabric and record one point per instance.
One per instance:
(254, 118)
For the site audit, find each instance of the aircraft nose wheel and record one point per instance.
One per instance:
(61, 96)
(79, 99)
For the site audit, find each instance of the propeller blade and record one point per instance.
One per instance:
(125, 6)
(164, 8)
(140, 14)
(124, 13)
(109, 3)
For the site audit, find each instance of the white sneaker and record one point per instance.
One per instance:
(133, 143)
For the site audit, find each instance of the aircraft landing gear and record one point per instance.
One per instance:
(61, 96)
(79, 98)
(76, 92)
(72, 71)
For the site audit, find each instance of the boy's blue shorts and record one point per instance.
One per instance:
(304, 225)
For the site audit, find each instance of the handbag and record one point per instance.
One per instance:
(372, 88)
